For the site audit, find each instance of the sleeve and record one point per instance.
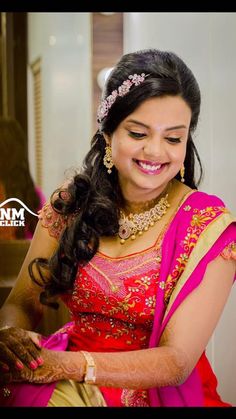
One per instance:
(53, 221)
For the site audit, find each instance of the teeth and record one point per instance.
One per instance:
(149, 167)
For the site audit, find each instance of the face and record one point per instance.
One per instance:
(149, 146)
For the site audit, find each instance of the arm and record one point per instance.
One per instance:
(182, 342)
(181, 345)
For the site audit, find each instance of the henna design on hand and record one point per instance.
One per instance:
(58, 365)
(19, 348)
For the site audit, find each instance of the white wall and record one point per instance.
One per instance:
(66, 91)
(207, 43)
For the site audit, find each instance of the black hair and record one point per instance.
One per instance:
(94, 195)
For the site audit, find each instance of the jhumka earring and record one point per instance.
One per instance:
(182, 171)
(107, 159)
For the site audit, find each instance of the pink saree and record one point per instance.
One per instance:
(201, 229)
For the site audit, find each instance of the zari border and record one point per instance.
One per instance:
(205, 242)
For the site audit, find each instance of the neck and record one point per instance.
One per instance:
(136, 207)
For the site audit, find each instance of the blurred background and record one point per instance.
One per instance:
(52, 70)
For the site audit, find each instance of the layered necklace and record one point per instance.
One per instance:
(136, 224)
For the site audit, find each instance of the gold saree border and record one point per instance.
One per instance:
(204, 243)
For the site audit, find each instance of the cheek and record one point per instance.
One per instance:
(116, 151)
(177, 154)
(121, 148)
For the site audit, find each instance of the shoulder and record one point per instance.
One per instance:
(188, 198)
(198, 211)
(201, 200)
(200, 215)
(51, 218)
(202, 204)
(192, 204)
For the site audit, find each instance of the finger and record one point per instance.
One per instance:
(21, 348)
(9, 358)
(4, 367)
(23, 354)
(36, 354)
(36, 338)
(24, 375)
(16, 375)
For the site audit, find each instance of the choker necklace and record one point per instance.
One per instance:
(133, 224)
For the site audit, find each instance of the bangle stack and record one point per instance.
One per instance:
(90, 372)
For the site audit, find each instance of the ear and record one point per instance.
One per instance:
(107, 139)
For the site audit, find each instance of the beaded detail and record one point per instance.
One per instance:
(122, 90)
(53, 221)
(138, 223)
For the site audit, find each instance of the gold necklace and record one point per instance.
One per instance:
(133, 224)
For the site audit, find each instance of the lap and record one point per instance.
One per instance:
(69, 393)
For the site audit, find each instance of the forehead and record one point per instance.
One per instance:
(166, 110)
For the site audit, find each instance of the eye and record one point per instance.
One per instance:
(173, 139)
(136, 135)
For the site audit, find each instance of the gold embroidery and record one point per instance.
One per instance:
(126, 314)
(200, 220)
(229, 251)
(134, 398)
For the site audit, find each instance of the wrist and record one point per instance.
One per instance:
(77, 366)
(64, 365)
(90, 370)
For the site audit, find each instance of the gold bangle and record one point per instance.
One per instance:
(90, 373)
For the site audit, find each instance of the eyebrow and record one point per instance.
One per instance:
(147, 126)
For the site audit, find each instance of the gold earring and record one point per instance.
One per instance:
(182, 171)
(107, 159)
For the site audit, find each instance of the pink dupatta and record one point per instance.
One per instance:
(199, 232)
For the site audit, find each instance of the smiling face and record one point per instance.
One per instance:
(149, 146)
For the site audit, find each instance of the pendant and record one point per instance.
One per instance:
(124, 230)
(137, 224)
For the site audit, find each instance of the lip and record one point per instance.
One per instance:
(150, 172)
(150, 163)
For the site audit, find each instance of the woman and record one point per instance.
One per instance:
(15, 178)
(134, 250)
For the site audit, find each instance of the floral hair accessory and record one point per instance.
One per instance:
(122, 90)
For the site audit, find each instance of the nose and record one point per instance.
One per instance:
(153, 146)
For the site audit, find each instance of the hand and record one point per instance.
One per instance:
(58, 365)
(19, 349)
